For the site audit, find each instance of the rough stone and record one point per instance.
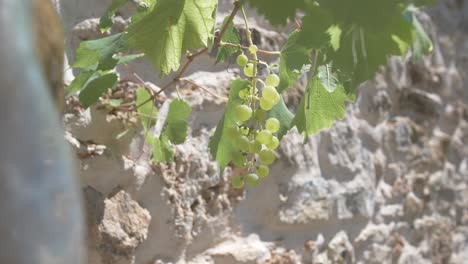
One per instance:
(340, 249)
(124, 226)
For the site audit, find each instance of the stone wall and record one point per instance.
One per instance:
(388, 184)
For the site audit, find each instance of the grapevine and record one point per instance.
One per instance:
(336, 43)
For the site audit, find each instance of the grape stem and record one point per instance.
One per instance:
(254, 77)
(266, 52)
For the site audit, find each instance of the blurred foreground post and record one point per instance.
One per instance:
(41, 219)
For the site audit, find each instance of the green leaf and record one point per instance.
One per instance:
(423, 2)
(277, 11)
(178, 110)
(319, 108)
(80, 81)
(98, 54)
(282, 113)
(294, 61)
(329, 80)
(362, 52)
(362, 40)
(127, 58)
(314, 31)
(163, 151)
(231, 35)
(422, 44)
(96, 87)
(176, 124)
(221, 146)
(177, 131)
(144, 7)
(174, 130)
(375, 16)
(335, 35)
(178, 25)
(105, 23)
(148, 111)
(115, 102)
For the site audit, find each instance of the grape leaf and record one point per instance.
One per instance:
(422, 44)
(96, 87)
(98, 54)
(328, 79)
(231, 35)
(174, 131)
(375, 16)
(176, 123)
(178, 25)
(105, 23)
(423, 2)
(294, 61)
(221, 145)
(361, 52)
(115, 102)
(335, 36)
(80, 81)
(361, 41)
(148, 112)
(162, 148)
(144, 7)
(319, 108)
(281, 112)
(314, 29)
(124, 59)
(295, 54)
(277, 11)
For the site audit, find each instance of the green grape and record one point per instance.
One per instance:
(274, 143)
(252, 179)
(250, 90)
(239, 159)
(266, 104)
(270, 93)
(242, 60)
(249, 70)
(243, 143)
(253, 49)
(243, 94)
(255, 146)
(244, 130)
(272, 80)
(264, 137)
(272, 124)
(243, 112)
(259, 114)
(266, 156)
(276, 100)
(237, 182)
(263, 171)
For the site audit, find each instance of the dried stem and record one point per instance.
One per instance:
(204, 89)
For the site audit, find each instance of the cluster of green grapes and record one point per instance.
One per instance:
(255, 134)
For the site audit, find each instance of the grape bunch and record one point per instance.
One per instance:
(255, 134)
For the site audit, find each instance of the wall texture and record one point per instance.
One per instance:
(388, 184)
